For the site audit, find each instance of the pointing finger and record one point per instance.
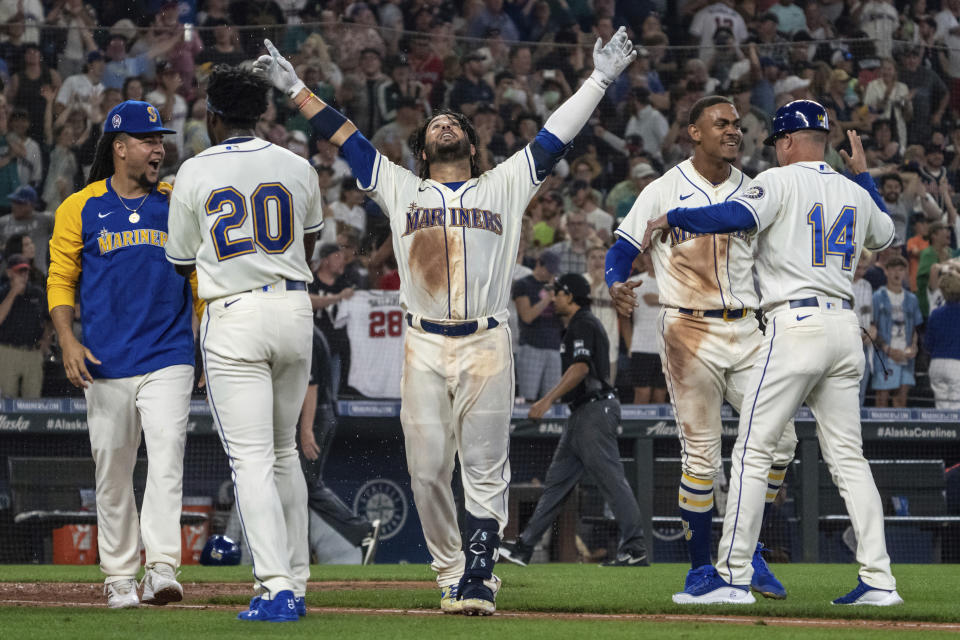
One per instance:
(270, 48)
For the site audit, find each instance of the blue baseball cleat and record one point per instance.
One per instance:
(705, 586)
(301, 603)
(764, 582)
(282, 608)
(865, 594)
(696, 575)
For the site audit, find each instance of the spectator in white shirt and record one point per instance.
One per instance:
(647, 122)
(347, 209)
(81, 89)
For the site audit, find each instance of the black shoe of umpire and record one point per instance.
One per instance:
(628, 559)
(516, 552)
(370, 542)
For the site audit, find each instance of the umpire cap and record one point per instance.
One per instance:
(575, 285)
(796, 116)
(134, 116)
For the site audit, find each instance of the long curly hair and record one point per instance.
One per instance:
(239, 97)
(418, 142)
(102, 167)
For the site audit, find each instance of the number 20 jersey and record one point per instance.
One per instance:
(240, 210)
(812, 224)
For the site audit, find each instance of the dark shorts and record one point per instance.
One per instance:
(647, 371)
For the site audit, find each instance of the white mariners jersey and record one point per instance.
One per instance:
(812, 223)
(694, 271)
(455, 249)
(239, 210)
(375, 327)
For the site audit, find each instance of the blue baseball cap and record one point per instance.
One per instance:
(134, 116)
(24, 193)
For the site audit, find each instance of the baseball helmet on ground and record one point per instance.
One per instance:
(220, 550)
(798, 115)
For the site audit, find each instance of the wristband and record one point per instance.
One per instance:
(305, 100)
(601, 78)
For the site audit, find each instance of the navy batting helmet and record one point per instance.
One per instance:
(797, 115)
(220, 550)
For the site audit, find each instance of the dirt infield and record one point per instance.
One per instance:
(84, 594)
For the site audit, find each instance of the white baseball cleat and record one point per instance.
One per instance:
(122, 594)
(865, 594)
(712, 589)
(160, 585)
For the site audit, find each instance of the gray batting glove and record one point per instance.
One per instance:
(278, 71)
(610, 61)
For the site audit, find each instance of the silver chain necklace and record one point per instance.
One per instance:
(134, 216)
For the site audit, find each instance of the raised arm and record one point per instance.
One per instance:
(324, 119)
(565, 123)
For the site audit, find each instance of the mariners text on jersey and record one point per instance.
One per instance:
(110, 241)
(135, 308)
(424, 217)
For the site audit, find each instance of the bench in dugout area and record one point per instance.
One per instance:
(915, 510)
(52, 492)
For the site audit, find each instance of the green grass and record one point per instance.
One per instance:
(929, 590)
(209, 625)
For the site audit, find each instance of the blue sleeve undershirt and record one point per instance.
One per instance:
(717, 218)
(360, 155)
(865, 180)
(547, 149)
(620, 258)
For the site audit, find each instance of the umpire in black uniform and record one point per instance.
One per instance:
(590, 439)
(318, 425)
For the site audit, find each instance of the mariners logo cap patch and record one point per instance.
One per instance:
(134, 116)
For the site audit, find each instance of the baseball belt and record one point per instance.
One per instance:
(291, 285)
(727, 314)
(452, 330)
(814, 302)
(599, 395)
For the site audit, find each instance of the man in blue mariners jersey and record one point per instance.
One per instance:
(135, 363)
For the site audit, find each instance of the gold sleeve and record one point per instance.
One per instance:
(66, 245)
(199, 304)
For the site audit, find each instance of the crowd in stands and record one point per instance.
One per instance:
(889, 69)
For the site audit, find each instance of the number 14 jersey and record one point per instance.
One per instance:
(812, 224)
(239, 210)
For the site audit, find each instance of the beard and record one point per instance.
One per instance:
(437, 151)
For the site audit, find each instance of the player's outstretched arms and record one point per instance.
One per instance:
(326, 120)
(565, 123)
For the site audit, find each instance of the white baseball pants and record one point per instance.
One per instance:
(707, 361)
(457, 399)
(118, 409)
(811, 355)
(945, 382)
(256, 353)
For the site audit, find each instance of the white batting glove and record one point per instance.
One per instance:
(278, 71)
(610, 61)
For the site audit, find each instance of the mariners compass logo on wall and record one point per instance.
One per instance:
(382, 499)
